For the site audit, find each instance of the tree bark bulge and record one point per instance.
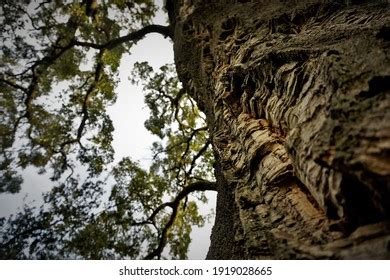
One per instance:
(296, 95)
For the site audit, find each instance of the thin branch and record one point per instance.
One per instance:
(197, 186)
(189, 139)
(12, 84)
(84, 109)
(42, 4)
(98, 72)
(30, 18)
(198, 155)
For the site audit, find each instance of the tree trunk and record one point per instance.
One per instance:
(296, 95)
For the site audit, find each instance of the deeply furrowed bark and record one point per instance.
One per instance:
(296, 95)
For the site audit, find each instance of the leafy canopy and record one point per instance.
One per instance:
(59, 71)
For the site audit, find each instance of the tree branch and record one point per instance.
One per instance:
(188, 141)
(198, 155)
(197, 186)
(134, 36)
(12, 84)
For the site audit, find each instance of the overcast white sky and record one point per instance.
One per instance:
(130, 136)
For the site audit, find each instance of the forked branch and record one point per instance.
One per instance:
(174, 205)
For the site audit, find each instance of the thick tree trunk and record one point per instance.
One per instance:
(296, 95)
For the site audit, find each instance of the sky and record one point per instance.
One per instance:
(130, 136)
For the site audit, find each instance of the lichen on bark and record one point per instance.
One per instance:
(296, 95)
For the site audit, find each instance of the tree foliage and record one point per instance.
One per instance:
(59, 71)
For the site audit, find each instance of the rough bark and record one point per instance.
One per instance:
(296, 95)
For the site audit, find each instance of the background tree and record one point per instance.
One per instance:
(59, 72)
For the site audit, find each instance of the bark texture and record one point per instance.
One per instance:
(296, 95)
